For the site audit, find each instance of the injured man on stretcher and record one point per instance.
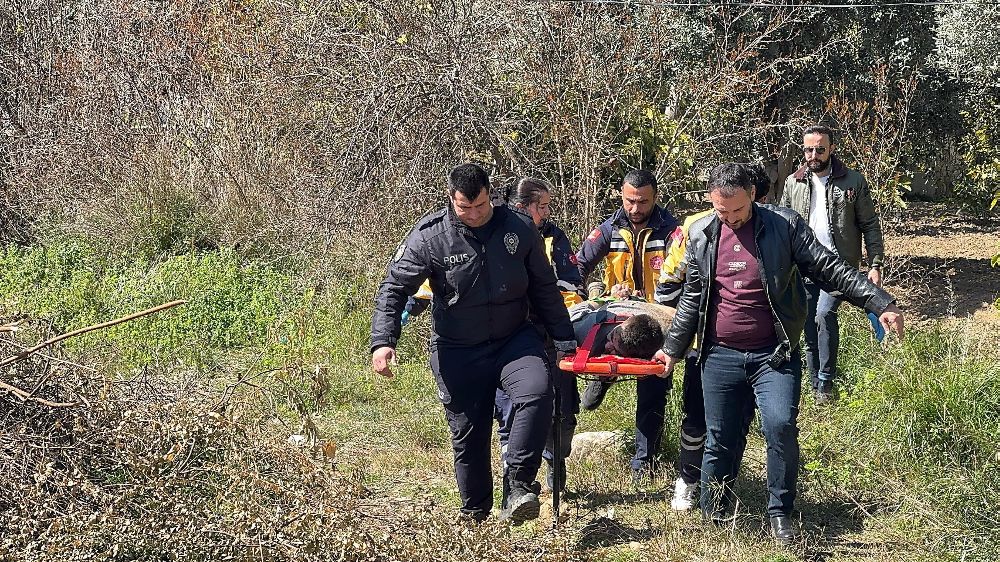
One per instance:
(629, 328)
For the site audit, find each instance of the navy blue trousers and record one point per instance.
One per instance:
(467, 380)
(692, 442)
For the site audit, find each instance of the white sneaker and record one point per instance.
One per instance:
(685, 496)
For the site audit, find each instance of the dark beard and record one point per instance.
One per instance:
(809, 164)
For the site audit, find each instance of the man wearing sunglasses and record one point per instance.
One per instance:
(838, 206)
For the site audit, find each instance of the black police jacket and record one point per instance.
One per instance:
(482, 289)
(787, 249)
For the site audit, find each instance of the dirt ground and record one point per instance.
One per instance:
(938, 264)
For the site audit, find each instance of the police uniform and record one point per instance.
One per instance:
(634, 259)
(482, 280)
(563, 260)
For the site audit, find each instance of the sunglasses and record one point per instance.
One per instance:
(817, 149)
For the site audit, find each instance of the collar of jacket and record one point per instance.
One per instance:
(839, 169)
(713, 226)
(658, 218)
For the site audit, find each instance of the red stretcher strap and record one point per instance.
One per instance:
(583, 351)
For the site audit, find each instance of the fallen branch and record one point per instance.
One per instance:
(12, 327)
(27, 352)
(25, 395)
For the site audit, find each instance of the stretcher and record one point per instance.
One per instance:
(590, 367)
(584, 365)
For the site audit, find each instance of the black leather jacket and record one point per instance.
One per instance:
(787, 250)
(482, 287)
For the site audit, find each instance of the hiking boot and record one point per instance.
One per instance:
(472, 517)
(685, 496)
(550, 474)
(594, 394)
(521, 503)
(783, 530)
(824, 392)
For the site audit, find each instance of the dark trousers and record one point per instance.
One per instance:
(467, 380)
(733, 382)
(650, 403)
(569, 402)
(822, 334)
(692, 443)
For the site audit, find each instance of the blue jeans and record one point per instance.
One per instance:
(734, 382)
(822, 333)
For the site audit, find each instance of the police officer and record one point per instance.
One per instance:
(633, 243)
(485, 265)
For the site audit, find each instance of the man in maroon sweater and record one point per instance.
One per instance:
(745, 300)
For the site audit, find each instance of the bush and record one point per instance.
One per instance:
(144, 469)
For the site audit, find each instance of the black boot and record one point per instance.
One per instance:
(550, 474)
(520, 501)
(594, 394)
(783, 529)
(824, 392)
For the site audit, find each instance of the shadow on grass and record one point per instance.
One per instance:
(591, 500)
(828, 526)
(603, 532)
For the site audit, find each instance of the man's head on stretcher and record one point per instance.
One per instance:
(639, 337)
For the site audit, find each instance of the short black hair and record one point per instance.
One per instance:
(819, 130)
(468, 179)
(729, 178)
(640, 178)
(760, 180)
(641, 337)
